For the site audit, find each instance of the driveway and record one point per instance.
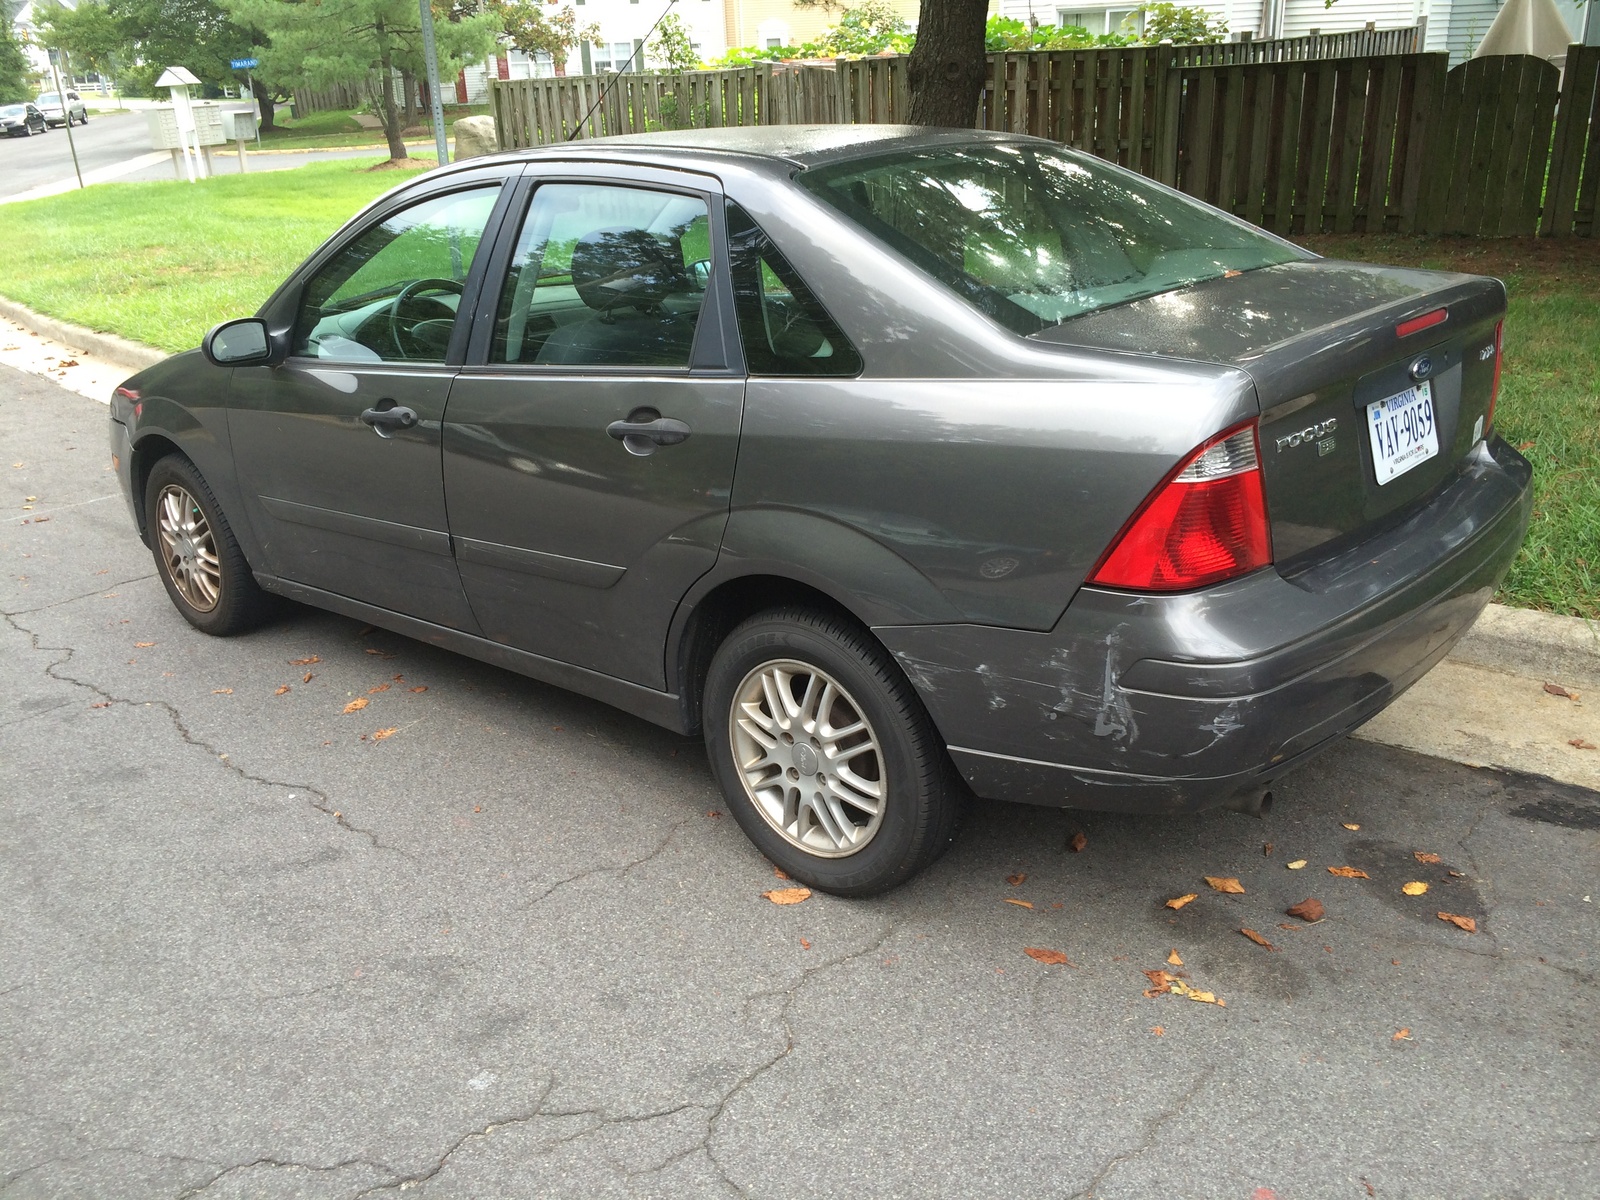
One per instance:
(515, 948)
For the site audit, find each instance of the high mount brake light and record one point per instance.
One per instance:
(1204, 523)
(1494, 387)
(1418, 324)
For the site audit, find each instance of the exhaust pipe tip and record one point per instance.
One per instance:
(1256, 803)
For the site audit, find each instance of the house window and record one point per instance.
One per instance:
(612, 57)
(1103, 20)
(774, 43)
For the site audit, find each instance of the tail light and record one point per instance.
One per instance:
(1206, 522)
(1494, 387)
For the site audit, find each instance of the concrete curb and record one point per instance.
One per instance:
(118, 350)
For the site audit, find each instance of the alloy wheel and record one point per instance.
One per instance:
(188, 548)
(808, 758)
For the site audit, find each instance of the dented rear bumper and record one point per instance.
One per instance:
(1146, 703)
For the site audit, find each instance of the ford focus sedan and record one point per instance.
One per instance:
(899, 464)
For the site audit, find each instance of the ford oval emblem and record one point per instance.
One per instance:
(1422, 368)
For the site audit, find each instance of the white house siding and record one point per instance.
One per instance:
(1300, 17)
(623, 22)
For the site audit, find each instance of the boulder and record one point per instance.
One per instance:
(475, 137)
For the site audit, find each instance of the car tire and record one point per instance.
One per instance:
(197, 556)
(800, 785)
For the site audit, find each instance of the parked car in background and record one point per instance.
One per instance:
(58, 112)
(892, 461)
(22, 120)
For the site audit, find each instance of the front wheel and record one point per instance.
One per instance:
(196, 554)
(827, 758)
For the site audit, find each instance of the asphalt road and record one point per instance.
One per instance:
(514, 949)
(108, 139)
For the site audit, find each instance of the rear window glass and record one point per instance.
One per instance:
(1034, 235)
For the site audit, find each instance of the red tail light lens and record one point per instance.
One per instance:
(1207, 522)
(1418, 324)
(1494, 388)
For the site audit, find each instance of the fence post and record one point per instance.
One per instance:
(1168, 93)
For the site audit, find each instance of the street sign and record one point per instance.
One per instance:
(244, 64)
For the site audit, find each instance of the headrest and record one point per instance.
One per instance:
(616, 268)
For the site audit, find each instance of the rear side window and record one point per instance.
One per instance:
(784, 329)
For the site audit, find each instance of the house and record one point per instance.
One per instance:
(768, 23)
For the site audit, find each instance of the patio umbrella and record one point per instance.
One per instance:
(1527, 27)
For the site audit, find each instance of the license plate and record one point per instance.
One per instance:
(1403, 431)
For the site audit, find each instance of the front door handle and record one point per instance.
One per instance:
(388, 416)
(642, 437)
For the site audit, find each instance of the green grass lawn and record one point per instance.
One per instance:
(162, 262)
(338, 128)
(1549, 404)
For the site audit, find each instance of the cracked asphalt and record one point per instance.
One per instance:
(515, 949)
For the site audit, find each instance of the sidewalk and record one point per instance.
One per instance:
(1519, 692)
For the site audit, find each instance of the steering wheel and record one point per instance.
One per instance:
(411, 337)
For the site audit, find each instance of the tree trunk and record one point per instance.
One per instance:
(408, 86)
(388, 110)
(265, 101)
(948, 63)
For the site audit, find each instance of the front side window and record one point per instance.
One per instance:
(391, 294)
(782, 326)
(605, 276)
(1036, 235)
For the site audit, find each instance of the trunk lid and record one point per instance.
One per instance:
(1321, 341)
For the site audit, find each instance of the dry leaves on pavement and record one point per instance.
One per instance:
(282, 689)
(1179, 901)
(1051, 958)
(357, 704)
(1018, 903)
(422, 688)
(143, 645)
(304, 662)
(308, 677)
(1296, 865)
(1256, 938)
(1415, 888)
(1225, 883)
(1173, 960)
(1580, 744)
(1350, 827)
(1422, 856)
(1016, 880)
(780, 872)
(1402, 1035)
(1555, 689)
(222, 691)
(792, 895)
(1348, 873)
(1460, 922)
(1309, 909)
(382, 687)
(1163, 981)
(385, 733)
(1077, 842)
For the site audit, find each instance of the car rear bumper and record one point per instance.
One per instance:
(1168, 703)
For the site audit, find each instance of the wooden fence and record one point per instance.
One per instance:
(1390, 143)
(1357, 43)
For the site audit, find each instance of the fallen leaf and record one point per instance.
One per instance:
(1052, 958)
(1422, 856)
(1225, 883)
(1174, 960)
(1161, 982)
(386, 733)
(714, 814)
(423, 688)
(1415, 888)
(379, 653)
(780, 872)
(399, 678)
(1467, 923)
(308, 677)
(1402, 1035)
(1458, 874)
(1203, 997)
(792, 895)
(222, 691)
(804, 945)
(1580, 744)
(1016, 880)
(1077, 842)
(1371, 1191)
(1351, 827)
(282, 688)
(304, 662)
(1180, 901)
(357, 704)
(1286, 925)
(382, 687)
(101, 704)
(1309, 909)
(1267, 850)
(1256, 938)
(1348, 873)
(143, 645)
(67, 362)
(1018, 903)
(1158, 1031)
(1296, 865)
(1555, 689)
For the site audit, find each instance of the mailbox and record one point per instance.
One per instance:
(238, 124)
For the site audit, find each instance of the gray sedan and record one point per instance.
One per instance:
(898, 463)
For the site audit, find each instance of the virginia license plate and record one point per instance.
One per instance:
(1403, 431)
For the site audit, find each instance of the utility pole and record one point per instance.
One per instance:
(430, 56)
(66, 111)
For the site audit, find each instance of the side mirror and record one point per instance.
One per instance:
(238, 343)
(701, 271)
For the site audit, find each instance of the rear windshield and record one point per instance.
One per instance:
(12, 110)
(47, 98)
(1034, 235)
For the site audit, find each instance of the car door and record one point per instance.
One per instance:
(337, 448)
(589, 447)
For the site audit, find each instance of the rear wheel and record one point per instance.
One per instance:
(827, 759)
(196, 554)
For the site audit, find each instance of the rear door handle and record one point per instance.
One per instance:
(387, 416)
(642, 437)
